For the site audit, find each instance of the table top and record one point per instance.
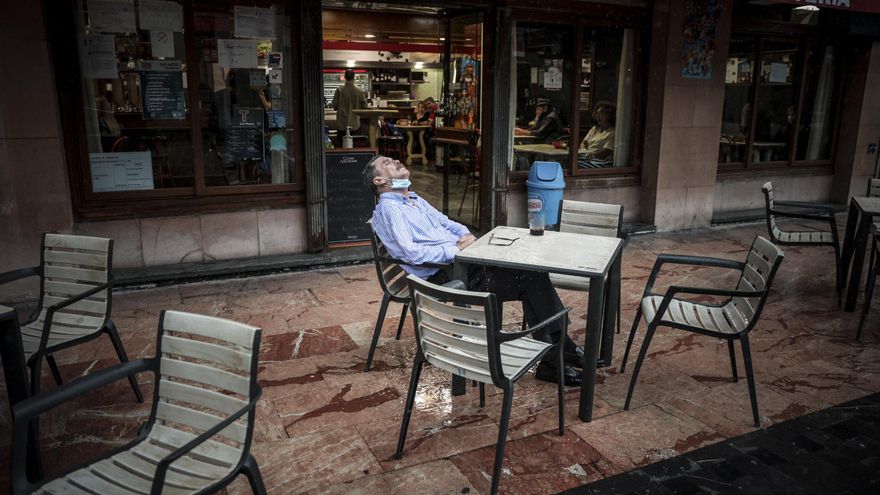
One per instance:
(544, 149)
(555, 252)
(524, 138)
(374, 111)
(869, 205)
(413, 127)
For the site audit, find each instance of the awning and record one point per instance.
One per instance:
(870, 6)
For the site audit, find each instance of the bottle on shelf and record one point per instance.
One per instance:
(347, 141)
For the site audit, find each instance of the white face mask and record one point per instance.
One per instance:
(399, 183)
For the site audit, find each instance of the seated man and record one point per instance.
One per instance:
(547, 126)
(413, 231)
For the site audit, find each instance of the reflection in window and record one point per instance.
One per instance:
(737, 114)
(136, 110)
(544, 70)
(606, 98)
(817, 113)
(775, 102)
(244, 84)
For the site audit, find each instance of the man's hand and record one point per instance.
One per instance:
(466, 241)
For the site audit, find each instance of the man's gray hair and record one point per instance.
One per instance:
(370, 173)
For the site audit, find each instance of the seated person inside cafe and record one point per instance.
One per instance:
(597, 148)
(414, 232)
(547, 125)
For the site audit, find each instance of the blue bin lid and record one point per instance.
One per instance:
(546, 175)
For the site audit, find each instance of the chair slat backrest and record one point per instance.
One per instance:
(873, 188)
(207, 371)
(775, 231)
(582, 217)
(761, 265)
(391, 276)
(455, 330)
(73, 264)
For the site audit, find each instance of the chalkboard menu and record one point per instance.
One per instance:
(349, 202)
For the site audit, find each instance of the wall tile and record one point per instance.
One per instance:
(40, 199)
(126, 235)
(28, 99)
(708, 105)
(678, 106)
(171, 240)
(230, 235)
(282, 231)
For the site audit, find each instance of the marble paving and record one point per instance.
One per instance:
(326, 427)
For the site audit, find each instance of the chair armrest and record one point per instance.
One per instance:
(708, 291)
(825, 207)
(50, 311)
(165, 463)
(20, 273)
(680, 259)
(803, 216)
(31, 408)
(508, 336)
(389, 259)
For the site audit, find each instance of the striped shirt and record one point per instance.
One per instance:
(415, 232)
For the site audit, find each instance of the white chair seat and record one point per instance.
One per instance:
(804, 237)
(724, 319)
(570, 282)
(516, 356)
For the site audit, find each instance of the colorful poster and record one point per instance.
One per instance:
(701, 20)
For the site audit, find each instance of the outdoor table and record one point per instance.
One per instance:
(372, 115)
(16, 374)
(410, 129)
(862, 209)
(594, 257)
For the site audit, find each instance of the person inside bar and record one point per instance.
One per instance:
(547, 126)
(414, 232)
(597, 148)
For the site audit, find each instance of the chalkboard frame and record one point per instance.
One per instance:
(348, 230)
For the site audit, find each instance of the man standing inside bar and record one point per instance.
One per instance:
(547, 126)
(413, 231)
(346, 99)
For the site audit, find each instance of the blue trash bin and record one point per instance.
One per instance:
(545, 185)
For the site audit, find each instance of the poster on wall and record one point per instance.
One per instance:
(99, 56)
(553, 73)
(123, 171)
(237, 54)
(700, 22)
(254, 22)
(160, 15)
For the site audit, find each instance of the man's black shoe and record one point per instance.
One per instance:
(547, 372)
(573, 357)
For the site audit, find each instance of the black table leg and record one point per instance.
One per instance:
(612, 302)
(591, 346)
(852, 221)
(858, 260)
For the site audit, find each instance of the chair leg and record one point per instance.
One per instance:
(619, 304)
(560, 384)
(750, 378)
(732, 360)
(53, 367)
(502, 438)
(869, 290)
(839, 272)
(250, 469)
(482, 394)
(110, 328)
(376, 331)
(402, 319)
(35, 370)
(632, 335)
(410, 400)
(649, 334)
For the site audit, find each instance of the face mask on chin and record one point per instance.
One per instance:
(399, 183)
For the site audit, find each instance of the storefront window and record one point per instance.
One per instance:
(818, 109)
(137, 117)
(242, 52)
(143, 64)
(738, 100)
(578, 109)
(775, 102)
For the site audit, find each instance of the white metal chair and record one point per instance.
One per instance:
(819, 237)
(392, 279)
(199, 433)
(873, 188)
(730, 320)
(75, 301)
(460, 332)
(581, 217)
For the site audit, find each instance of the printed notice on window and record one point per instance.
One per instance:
(778, 72)
(161, 15)
(237, 54)
(162, 90)
(254, 22)
(112, 16)
(99, 56)
(124, 171)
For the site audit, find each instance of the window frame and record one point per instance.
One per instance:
(612, 18)
(198, 198)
